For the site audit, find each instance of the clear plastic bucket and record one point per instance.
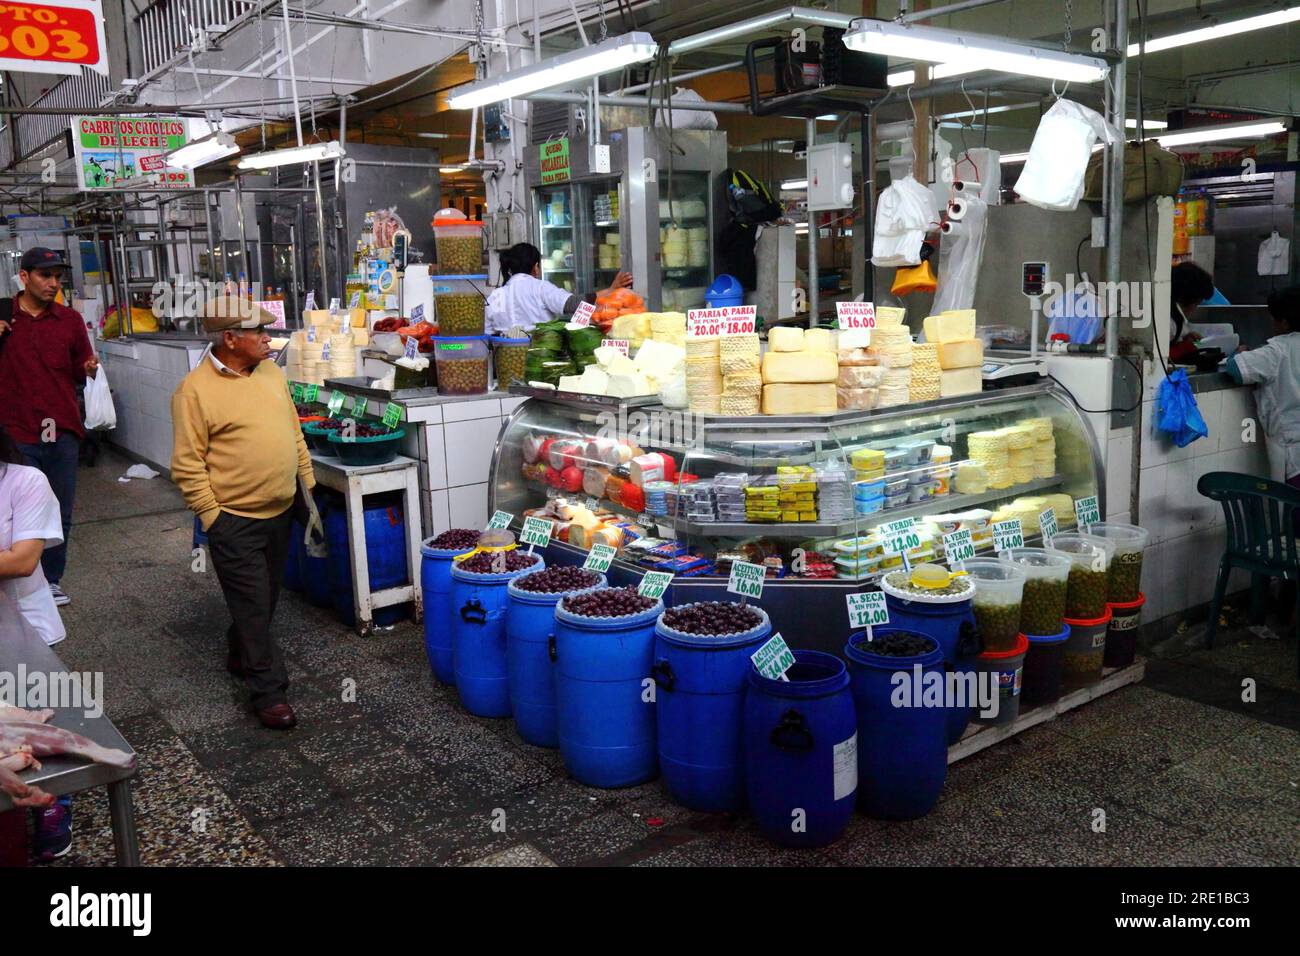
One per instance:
(459, 244)
(1090, 554)
(999, 591)
(1124, 577)
(1042, 611)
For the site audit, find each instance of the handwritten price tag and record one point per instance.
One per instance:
(1008, 534)
(296, 391)
(582, 315)
(622, 345)
(900, 536)
(729, 320)
(654, 584)
(355, 301)
(417, 314)
(867, 609)
(412, 349)
(600, 558)
(774, 658)
(746, 579)
(336, 401)
(1047, 524)
(500, 520)
(856, 315)
(392, 414)
(537, 532)
(1087, 512)
(358, 406)
(309, 394)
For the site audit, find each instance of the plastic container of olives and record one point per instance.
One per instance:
(509, 360)
(1042, 609)
(1088, 584)
(459, 243)
(999, 592)
(462, 364)
(1124, 577)
(459, 305)
(1085, 652)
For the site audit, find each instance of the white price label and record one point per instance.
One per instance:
(728, 320)
(746, 579)
(417, 314)
(654, 584)
(412, 349)
(867, 609)
(958, 548)
(600, 558)
(1047, 524)
(900, 536)
(623, 345)
(856, 315)
(774, 658)
(500, 520)
(310, 303)
(1086, 511)
(1008, 534)
(355, 301)
(334, 306)
(537, 531)
(591, 504)
(582, 315)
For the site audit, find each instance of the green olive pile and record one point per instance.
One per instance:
(463, 377)
(509, 360)
(998, 624)
(459, 313)
(1086, 663)
(1125, 582)
(1043, 607)
(1086, 597)
(459, 255)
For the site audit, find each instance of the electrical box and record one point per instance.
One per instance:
(600, 158)
(830, 176)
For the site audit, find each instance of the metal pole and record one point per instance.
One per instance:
(814, 305)
(293, 76)
(640, 102)
(678, 77)
(868, 223)
(320, 235)
(1115, 157)
(293, 269)
(244, 258)
(945, 10)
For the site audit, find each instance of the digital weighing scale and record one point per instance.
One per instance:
(1006, 369)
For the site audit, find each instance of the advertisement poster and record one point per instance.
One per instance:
(115, 151)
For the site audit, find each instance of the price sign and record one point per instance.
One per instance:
(774, 658)
(355, 301)
(55, 37)
(901, 536)
(1085, 509)
(856, 315)
(729, 320)
(1008, 534)
(591, 503)
(296, 391)
(311, 332)
(334, 306)
(358, 406)
(310, 392)
(746, 579)
(537, 532)
(867, 609)
(392, 415)
(600, 558)
(1047, 524)
(621, 344)
(325, 351)
(500, 520)
(276, 308)
(417, 314)
(412, 349)
(654, 584)
(582, 315)
(309, 304)
(958, 548)
(337, 399)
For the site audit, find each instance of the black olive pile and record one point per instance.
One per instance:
(498, 562)
(456, 539)
(608, 602)
(557, 580)
(711, 618)
(330, 424)
(899, 644)
(305, 410)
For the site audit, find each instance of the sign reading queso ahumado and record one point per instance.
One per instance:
(555, 160)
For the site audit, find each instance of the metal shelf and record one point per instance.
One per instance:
(546, 226)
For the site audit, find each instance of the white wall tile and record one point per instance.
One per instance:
(508, 405)
(1203, 509)
(435, 456)
(467, 505)
(439, 515)
(1237, 404)
(469, 447)
(464, 411)
(1181, 507)
(1151, 502)
(1211, 406)
(1119, 479)
(1172, 575)
(1204, 569)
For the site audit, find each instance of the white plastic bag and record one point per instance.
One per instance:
(959, 264)
(904, 214)
(688, 119)
(1058, 159)
(100, 413)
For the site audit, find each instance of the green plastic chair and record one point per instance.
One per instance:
(1261, 517)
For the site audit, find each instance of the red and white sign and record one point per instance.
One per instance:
(582, 315)
(276, 308)
(59, 37)
(152, 164)
(621, 344)
(856, 315)
(729, 320)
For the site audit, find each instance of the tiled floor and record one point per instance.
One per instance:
(1179, 769)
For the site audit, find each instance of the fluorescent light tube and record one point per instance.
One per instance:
(1008, 159)
(565, 69)
(963, 53)
(1210, 134)
(1218, 31)
(209, 149)
(310, 153)
(1146, 124)
(795, 184)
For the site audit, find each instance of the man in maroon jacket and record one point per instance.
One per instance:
(44, 356)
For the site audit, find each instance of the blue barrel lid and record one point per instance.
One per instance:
(506, 340)
(458, 338)
(1056, 638)
(725, 285)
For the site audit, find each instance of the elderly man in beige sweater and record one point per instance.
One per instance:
(239, 458)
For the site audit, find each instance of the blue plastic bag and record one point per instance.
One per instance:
(1176, 410)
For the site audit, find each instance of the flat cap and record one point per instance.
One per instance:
(231, 312)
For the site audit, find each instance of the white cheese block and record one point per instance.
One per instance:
(950, 326)
(627, 386)
(889, 315)
(961, 354)
(800, 367)
(960, 381)
(571, 383)
(594, 380)
(799, 399)
(782, 338)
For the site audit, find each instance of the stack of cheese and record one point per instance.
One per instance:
(960, 353)
(1027, 510)
(615, 374)
(668, 327)
(703, 376)
(924, 386)
(293, 357)
(1062, 506)
(990, 448)
(972, 478)
(742, 386)
(800, 372)
(343, 355)
(1020, 452)
(892, 347)
(1044, 446)
(673, 247)
(860, 375)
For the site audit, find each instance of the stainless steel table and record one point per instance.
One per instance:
(20, 646)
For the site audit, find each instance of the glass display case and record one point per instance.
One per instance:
(601, 235)
(685, 246)
(557, 236)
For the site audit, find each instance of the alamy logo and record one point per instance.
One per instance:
(180, 297)
(1128, 300)
(74, 909)
(922, 688)
(37, 690)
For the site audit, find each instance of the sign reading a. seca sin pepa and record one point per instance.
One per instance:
(58, 37)
(728, 320)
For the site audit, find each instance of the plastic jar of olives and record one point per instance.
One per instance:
(459, 243)
(509, 358)
(1042, 609)
(1086, 593)
(1124, 577)
(458, 305)
(1085, 652)
(999, 591)
(462, 365)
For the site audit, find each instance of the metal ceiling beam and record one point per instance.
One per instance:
(250, 75)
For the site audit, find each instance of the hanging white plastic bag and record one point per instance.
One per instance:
(962, 251)
(904, 214)
(1058, 160)
(100, 413)
(688, 119)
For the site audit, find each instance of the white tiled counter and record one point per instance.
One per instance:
(142, 374)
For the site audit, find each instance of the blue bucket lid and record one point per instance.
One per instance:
(506, 340)
(1056, 638)
(458, 338)
(725, 285)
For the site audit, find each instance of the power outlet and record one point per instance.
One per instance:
(1098, 232)
(600, 158)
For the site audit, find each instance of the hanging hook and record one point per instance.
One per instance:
(1063, 89)
(911, 104)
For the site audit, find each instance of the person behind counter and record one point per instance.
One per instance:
(524, 298)
(1190, 285)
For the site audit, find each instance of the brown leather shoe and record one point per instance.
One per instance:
(277, 717)
(233, 665)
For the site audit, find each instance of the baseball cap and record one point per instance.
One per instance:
(232, 312)
(38, 257)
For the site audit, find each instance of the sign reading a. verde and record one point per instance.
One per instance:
(1086, 512)
(392, 414)
(116, 151)
(554, 158)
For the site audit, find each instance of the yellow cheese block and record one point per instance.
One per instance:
(795, 399)
(889, 315)
(956, 326)
(800, 367)
(960, 381)
(782, 338)
(819, 340)
(962, 354)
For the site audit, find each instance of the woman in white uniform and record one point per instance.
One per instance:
(524, 298)
(1274, 368)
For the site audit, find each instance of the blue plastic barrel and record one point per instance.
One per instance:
(385, 556)
(726, 290)
(700, 697)
(604, 707)
(478, 638)
(530, 625)
(435, 583)
(902, 743)
(292, 563)
(315, 571)
(952, 624)
(800, 760)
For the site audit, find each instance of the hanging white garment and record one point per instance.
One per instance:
(1275, 256)
(1058, 159)
(903, 216)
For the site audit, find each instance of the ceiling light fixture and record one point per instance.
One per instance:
(792, 184)
(1276, 18)
(310, 153)
(1146, 124)
(209, 149)
(565, 69)
(1211, 134)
